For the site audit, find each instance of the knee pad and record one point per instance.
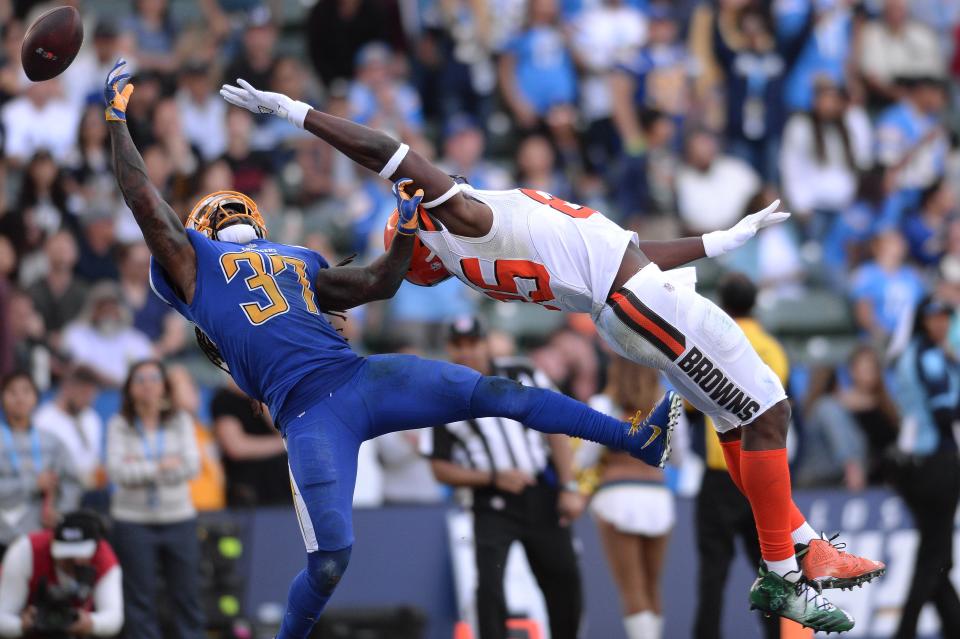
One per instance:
(502, 397)
(325, 569)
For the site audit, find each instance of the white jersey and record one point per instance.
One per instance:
(540, 249)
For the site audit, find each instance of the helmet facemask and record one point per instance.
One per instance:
(214, 214)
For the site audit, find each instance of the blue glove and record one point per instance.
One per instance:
(407, 207)
(116, 92)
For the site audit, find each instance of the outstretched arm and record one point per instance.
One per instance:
(162, 229)
(344, 287)
(367, 147)
(673, 253)
(372, 149)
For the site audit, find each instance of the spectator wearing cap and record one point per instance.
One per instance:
(463, 150)
(97, 241)
(523, 489)
(151, 457)
(202, 111)
(927, 383)
(103, 338)
(379, 96)
(894, 47)
(74, 558)
(910, 136)
(151, 315)
(59, 297)
(713, 190)
(40, 118)
(37, 476)
(70, 416)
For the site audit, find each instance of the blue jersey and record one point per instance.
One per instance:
(256, 302)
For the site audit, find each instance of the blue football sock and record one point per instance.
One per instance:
(548, 412)
(311, 590)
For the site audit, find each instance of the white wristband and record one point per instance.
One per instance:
(714, 243)
(297, 113)
(453, 190)
(394, 162)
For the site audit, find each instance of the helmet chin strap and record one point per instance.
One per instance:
(238, 233)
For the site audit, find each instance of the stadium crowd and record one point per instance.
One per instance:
(672, 118)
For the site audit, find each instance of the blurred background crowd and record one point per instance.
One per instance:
(671, 118)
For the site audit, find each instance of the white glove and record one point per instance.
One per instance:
(720, 242)
(255, 101)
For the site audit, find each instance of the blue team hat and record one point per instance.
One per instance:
(459, 123)
(660, 12)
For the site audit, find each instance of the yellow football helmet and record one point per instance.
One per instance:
(214, 211)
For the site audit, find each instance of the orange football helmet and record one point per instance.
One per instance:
(213, 211)
(426, 269)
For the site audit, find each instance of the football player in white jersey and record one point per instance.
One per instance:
(525, 245)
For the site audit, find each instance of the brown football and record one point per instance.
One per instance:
(52, 43)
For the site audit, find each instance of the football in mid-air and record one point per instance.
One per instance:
(52, 43)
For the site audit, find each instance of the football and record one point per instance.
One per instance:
(52, 43)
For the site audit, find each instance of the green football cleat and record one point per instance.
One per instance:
(798, 601)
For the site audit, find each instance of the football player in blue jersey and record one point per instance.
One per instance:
(259, 310)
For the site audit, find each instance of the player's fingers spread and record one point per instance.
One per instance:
(773, 206)
(246, 85)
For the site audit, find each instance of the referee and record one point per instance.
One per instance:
(523, 490)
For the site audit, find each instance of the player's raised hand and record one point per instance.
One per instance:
(117, 91)
(247, 97)
(407, 206)
(720, 242)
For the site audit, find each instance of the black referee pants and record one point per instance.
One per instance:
(723, 514)
(531, 519)
(931, 490)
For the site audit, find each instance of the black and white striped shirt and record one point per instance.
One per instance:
(493, 443)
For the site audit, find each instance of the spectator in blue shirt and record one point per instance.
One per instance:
(826, 53)
(925, 231)
(928, 390)
(155, 34)
(885, 290)
(910, 136)
(538, 79)
(381, 101)
(846, 242)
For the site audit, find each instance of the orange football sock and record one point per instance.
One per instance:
(731, 454)
(766, 482)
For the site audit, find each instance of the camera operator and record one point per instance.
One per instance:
(62, 583)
